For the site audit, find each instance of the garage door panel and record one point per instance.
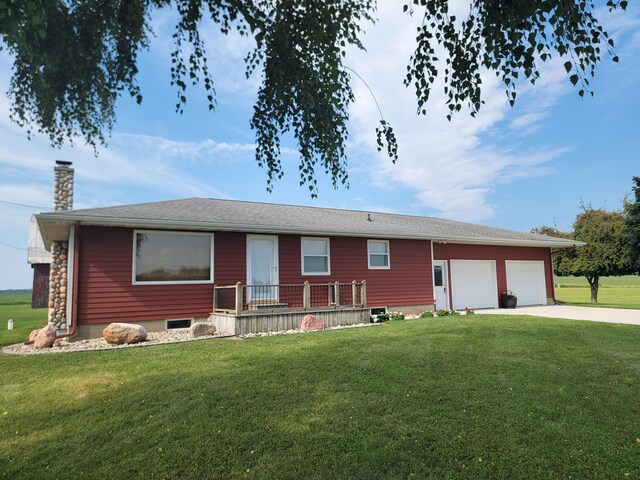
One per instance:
(473, 284)
(527, 280)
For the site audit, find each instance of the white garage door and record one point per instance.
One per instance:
(473, 284)
(526, 280)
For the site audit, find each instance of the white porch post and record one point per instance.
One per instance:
(363, 294)
(306, 295)
(238, 298)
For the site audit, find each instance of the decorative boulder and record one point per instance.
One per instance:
(202, 329)
(120, 333)
(45, 337)
(33, 334)
(311, 324)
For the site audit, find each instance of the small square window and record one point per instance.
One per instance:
(378, 252)
(315, 256)
(437, 276)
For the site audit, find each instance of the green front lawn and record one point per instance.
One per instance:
(24, 318)
(615, 297)
(480, 397)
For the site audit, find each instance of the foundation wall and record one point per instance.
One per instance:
(95, 330)
(273, 322)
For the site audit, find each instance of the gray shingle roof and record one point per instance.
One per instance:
(214, 214)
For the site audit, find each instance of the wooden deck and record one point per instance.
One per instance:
(259, 321)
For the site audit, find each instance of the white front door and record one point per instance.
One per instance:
(440, 283)
(262, 267)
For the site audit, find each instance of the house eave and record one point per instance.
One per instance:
(55, 227)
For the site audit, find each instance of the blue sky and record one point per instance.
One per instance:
(516, 168)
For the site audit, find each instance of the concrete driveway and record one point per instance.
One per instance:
(595, 314)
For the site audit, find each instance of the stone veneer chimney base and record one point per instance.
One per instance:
(62, 200)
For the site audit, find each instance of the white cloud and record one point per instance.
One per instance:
(225, 57)
(529, 122)
(451, 166)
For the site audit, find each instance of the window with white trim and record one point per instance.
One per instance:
(315, 256)
(172, 257)
(378, 252)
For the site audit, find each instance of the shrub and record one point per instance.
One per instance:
(427, 314)
(396, 316)
(381, 317)
(509, 295)
(468, 311)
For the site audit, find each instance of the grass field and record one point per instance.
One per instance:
(615, 292)
(614, 297)
(24, 318)
(455, 398)
(605, 282)
(15, 297)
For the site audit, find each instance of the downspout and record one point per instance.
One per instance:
(553, 277)
(72, 283)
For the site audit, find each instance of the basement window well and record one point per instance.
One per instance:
(180, 323)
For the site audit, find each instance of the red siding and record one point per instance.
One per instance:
(407, 282)
(106, 293)
(500, 254)
(105, 290)
(40, 292)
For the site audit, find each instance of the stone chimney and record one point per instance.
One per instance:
(62, 186)
(62, 200)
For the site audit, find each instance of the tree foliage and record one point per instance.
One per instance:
(605, 252)
(632, 223)
(74, 58)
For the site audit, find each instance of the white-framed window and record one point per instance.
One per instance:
(378, 253)
(161, 257)
(315, 256)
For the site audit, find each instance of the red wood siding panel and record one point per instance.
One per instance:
(500, 254)
(230, 251)
(105, 290)
(40, 292)
(407, 282)
(106, 293)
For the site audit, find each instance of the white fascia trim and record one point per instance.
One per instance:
(266, 229)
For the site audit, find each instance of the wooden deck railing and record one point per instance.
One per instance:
(240, 298)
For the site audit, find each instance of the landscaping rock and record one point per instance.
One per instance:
(45, 337)
(202, 329)
(120, 333)
(311, 324)
(33, 334)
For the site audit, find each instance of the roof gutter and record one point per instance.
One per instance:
(181, 225)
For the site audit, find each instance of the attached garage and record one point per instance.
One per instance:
(474, 284)
(526, 280)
